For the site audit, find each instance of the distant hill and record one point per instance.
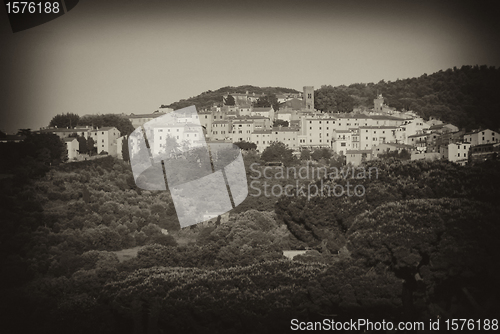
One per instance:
(468, 97)
(208, 98)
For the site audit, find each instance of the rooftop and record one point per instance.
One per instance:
(378, 127)
(262, 109)
(152, 115)
(358, 151)
(285, 128)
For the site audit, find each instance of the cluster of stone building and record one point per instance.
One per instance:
(106, 139)
(358, 136)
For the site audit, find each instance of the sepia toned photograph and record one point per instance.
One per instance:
(249, 166)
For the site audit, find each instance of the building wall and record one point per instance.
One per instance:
(242, 130)
(373, 136)
(72, 148)
(342, 141)
(482, 137)
(221, 130)
(287, 136)
(318, 131)
(355, 158)
(455, 151)
(410, 128)
(105, 140)
(262, 139)
(206, 120)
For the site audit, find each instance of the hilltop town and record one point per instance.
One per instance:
(357, 136)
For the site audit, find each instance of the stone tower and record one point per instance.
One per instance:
(378, 103)
(309, 97)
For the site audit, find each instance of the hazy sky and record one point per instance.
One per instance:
(132, 56)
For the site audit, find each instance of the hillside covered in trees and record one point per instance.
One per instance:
(420, 244)
(209, 98)
(467, 96)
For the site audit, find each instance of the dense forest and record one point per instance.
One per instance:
(209, 98)
(71, 120)
(466, 96)
(420, 244)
